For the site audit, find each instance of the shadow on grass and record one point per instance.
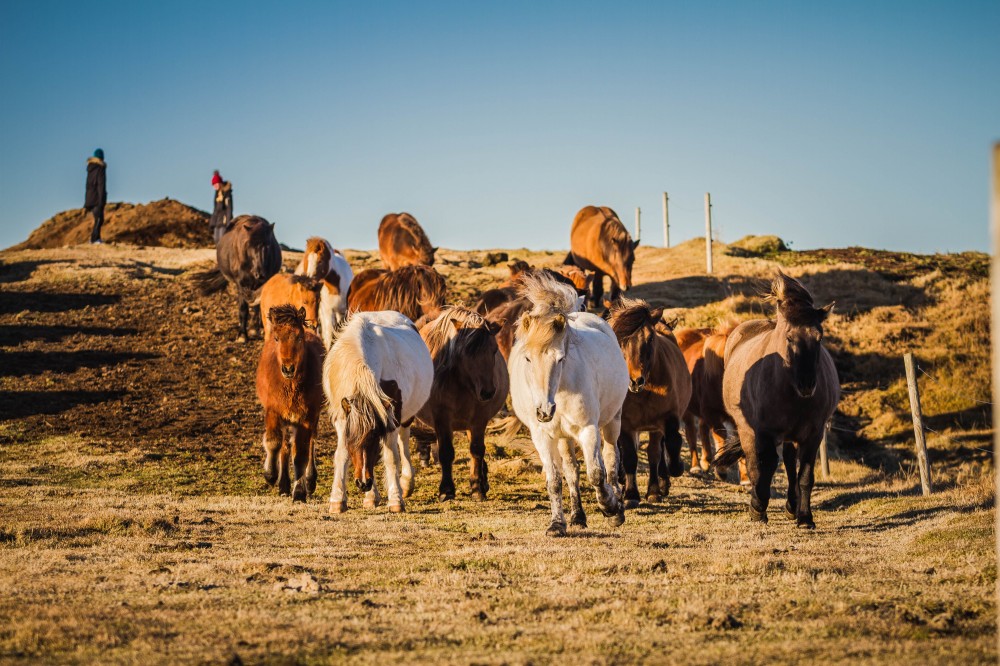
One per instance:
(22, 404)
(22, 364)
(12, 302)
(19, 271)
(13, 335)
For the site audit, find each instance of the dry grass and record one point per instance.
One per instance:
(123, 550)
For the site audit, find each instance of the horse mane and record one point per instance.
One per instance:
(442, 341)
(629, 316)
(410, 290)
(548, 296)
(286, 315)
(794, 302)
(310, 283)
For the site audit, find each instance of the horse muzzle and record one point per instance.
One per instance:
(486, 396)
(637, 385)
(288, 371)
(545, 413)
(805, 392)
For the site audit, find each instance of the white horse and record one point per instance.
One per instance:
(319, 259)
(376, 377)
(568, 380)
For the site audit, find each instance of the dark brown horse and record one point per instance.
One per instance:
(290, 389)
(600, 243)
(491, 299)
(414, 291)
(781, 388)
(403, 242)
(470, 387)
(247, 256)
(659, 391)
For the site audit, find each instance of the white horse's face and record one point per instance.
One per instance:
(543, 368)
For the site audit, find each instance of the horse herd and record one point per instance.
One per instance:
(381, 350)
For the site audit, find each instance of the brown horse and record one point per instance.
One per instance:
(781, 388)
(491, 299)
(321, 261)
(599, 242)
(659, 392)
(289, 386)
(247, 256)
(402, 242)
(295, 290)
(470, 387)
(414, 291)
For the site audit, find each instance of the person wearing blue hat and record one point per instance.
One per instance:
(97, 192)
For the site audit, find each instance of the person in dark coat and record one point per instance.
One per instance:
(222, 212)
(97, 192)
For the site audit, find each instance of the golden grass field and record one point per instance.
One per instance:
(135, 526)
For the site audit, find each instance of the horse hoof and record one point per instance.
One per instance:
(368, 503)
(406, 487)
(618, 519)
(654, 498)
(757, 516)
(631, 504)
(578, 518)
(694, 471)
(806, 524)
(446, 497)
(556, 530)
(242, 339)
(338, 507)
(790, 512)
(397, 508)
(299, 495)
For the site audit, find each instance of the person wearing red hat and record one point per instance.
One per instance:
(97, 193)
(222, 212)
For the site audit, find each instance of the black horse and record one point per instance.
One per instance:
(248, 255)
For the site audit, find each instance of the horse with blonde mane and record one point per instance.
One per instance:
(376, 377)
(568, 381)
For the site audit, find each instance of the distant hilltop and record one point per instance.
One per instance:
(164, 223)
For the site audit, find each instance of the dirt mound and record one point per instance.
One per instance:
(165, 223)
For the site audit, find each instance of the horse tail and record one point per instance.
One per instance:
(729, 454)
(508, 428)
(210, 281)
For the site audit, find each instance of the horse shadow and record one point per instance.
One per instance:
(696, 290)
(16, 405)
(12, 302)
(28, 363)
(12, 336)
(19, 271)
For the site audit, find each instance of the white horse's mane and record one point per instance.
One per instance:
(548, 296)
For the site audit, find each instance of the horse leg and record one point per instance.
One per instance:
(406, 473)
(655, 490)
(338, 496)
(672, 444)
(690, 434)
(789, 454)
(628, 446)
(390, 459)
(311, 470)
(284, 481)
(807, 468)
(719, 440)
(301, 458)
(612, 463)
(571, 471)
(244, 315)
(616, 291)
(591, 445)
(597, 290)
(549, 455)
(479, 483)
(256, 321)
(761, 453)
(707, 454)
(446, 455)
(272, 444)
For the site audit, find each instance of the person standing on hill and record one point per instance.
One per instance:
(222, 212)
(97, 192)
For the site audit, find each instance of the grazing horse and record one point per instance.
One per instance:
(470, 387)
(290, 389)
(599, 242)
(402, 242)
(247, 256)
(320, 260)
(659, 391)
(376, 376)
(568, 380)
(781, 388)
(296, 290)
(414, 291)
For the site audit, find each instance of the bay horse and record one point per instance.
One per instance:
(403, 242)
(320, 260)
(298, 291)
(568, 380)
(414, 291)
(247, 256)
(289, 388)
(470, 387)
(600, 243)
(659, 392)
(376, 376)
(781, 388)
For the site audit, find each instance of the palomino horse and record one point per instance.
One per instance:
(599, 242)
(414, 291)
(659, 391)
(296, 290)
(568, 380)
(402, 242)
(247, 256)
(376, 376)
(321, 260)
(290, 389)
(470, 387)
(781, 388)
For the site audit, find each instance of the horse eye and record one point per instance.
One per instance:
(527, 359)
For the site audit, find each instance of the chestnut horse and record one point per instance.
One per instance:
(470, 387)
(781, 388)
(659, 392)
(402, 242)
(376, 376)
(247, 256)
(296, 290)
(321, 261)
(599, 242)
(414, 291)
(290, 390)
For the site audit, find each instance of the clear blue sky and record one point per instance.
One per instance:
(828, 123)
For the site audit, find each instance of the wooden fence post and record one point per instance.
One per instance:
(708, 233)
(824, 460)
(918, 424)
(666, 222)
(995, 335)
(638, 224)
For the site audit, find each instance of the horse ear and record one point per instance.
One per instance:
(672, 324)
(455, 324)
(635, 243)
(656, 315)
(493, 327)
(827, 309)
(345, 404)
(559, 322)
(270, 315)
